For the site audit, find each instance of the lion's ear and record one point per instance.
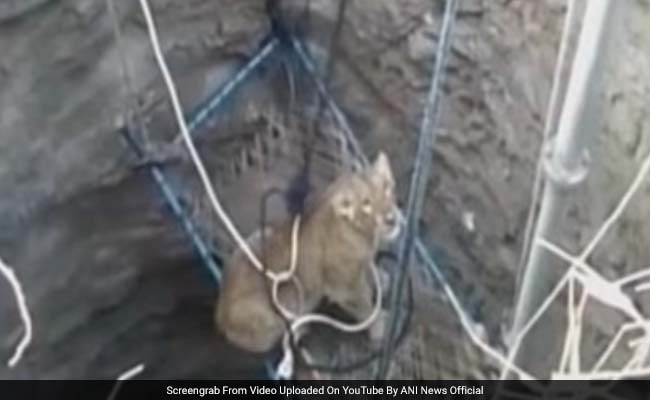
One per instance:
(381, 169)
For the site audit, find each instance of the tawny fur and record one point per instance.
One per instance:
(338, 240)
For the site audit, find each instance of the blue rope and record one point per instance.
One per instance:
(206, 110)
(186, 221)
(196, 122)
(419, 182)
(174, 203)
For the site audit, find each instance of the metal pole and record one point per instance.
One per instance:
(565, 166)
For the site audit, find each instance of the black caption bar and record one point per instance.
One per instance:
(478, 390)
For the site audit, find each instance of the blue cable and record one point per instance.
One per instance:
(172, 200)
(196, 122)
(419, 181)
(208, 108)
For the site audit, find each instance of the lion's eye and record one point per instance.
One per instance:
(366, 206)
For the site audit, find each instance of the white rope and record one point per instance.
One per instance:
(635, 276)
(524, 331)
(286, 366)
(189, 143)
(196, 159)
(608, 293)
(625, 328)
(129, 374)
(552, 114)
(125, 376)
(620, 207)
(594, 285)
(8, 273)
(642, 287)
(611, 293)
(570, 333)
(214, 200)
(289, 273)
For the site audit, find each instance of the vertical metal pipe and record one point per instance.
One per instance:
(565, 163)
